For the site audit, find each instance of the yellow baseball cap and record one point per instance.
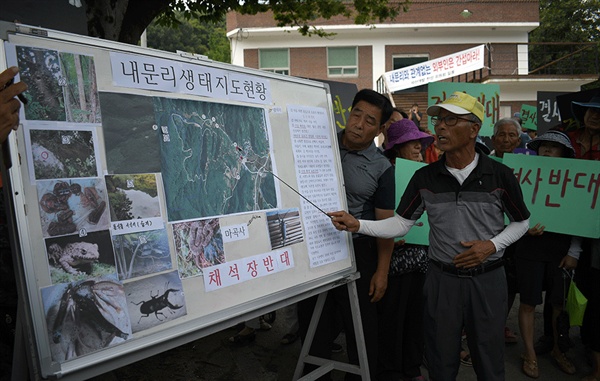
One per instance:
(458, 103)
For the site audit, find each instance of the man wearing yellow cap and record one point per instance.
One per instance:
(466, 196)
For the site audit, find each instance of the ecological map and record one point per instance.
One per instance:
(215, 158)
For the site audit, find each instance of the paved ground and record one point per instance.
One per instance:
(212, 358)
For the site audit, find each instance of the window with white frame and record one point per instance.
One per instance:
(274, 60)
(342, 61)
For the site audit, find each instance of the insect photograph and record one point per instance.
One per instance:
(155, 300)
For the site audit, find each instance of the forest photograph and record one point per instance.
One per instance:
(142, 253)
(58, 154)
(61, 86)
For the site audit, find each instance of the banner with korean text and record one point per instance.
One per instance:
(561, 194)
(436, 70)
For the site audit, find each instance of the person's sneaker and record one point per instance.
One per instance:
(289, 338)
(544, 345)
(336, 348)
(509, 336)
(264, 326)
(563, 363)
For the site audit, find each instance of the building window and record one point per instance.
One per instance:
(400, 61)
(274, 60)
(342, 62)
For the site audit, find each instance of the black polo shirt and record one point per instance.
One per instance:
(472, 211)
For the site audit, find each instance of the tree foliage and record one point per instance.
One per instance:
(125, 20)
(192, 36)
(567, 21)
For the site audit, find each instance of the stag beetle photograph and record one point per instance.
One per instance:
(155, 300)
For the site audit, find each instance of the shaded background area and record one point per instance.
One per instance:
(53, 14)
(213, 358)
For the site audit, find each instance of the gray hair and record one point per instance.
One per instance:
(504, 121)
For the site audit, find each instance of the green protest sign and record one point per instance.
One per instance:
(488, 95)
(561, 194)
(529, 117)
(405, 169)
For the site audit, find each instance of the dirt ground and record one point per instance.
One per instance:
(213, 358)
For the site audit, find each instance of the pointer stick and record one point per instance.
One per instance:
(289, 186)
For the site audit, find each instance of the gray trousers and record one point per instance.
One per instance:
(479, 305)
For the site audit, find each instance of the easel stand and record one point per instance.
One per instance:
(327, 365)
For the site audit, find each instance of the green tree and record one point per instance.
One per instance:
(126, 20)
(191, 36)
(568, 21)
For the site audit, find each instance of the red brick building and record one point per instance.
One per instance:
(430, 29)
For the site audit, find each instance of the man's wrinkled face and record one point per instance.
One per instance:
(506, 139)
(364, 124)
(457, 136)
(591, 120)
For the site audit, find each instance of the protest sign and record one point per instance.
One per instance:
(561, 194)
(548, 114)
(529, 117)
(405, 169)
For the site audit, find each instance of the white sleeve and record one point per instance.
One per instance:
(575, 248)
(391, 227)
(511, 233)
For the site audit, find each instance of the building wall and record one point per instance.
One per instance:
(431, 28)
(312, 63)
(422, 11)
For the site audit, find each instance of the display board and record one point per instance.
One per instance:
(157, 196)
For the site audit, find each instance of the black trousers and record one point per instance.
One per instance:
(401, 341)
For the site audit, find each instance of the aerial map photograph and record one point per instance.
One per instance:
(215, 158)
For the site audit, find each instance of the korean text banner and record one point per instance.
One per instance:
(405, 169)
(435, 70)
(561, 194)
(488, 95)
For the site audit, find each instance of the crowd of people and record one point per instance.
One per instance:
(474, 264)
(418, 302)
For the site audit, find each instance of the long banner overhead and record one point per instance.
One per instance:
(436, 70)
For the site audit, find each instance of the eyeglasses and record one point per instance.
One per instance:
(449, 120)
